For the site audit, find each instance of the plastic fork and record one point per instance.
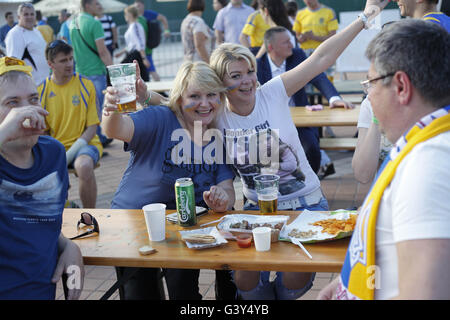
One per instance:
(297, 242)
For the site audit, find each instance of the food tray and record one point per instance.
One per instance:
(220, 240)
(306, 218)
(275, 222)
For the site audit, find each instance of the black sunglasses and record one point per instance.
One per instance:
(88, 220)
(56, 43)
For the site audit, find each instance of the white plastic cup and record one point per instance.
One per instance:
(261, 237)
(155, 218)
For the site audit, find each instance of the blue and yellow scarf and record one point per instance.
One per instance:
(358, 271)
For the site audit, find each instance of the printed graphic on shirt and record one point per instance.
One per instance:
(41, 199)
(261, 151)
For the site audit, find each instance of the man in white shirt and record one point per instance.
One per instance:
(403, 229)
(230, 21)
(25, 42)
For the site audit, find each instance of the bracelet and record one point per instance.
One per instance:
(147, 101)
(364, 19)
(375, 120)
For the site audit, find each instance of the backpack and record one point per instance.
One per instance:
(153, 34)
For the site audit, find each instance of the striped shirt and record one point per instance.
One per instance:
(108, 24)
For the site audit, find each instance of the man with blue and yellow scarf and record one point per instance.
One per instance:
(400, 248)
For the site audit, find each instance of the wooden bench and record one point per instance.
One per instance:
(338, 143)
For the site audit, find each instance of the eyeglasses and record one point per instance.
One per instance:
(88, 220)
(55, 43)
(366, 84)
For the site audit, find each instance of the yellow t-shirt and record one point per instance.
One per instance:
(72, 108)
(47, 32)
(255, 27)
(320, 22)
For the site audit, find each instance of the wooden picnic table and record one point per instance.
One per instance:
(123, 232)
(326, 117)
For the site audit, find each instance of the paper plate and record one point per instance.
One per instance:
(303, 223)
(211, 231)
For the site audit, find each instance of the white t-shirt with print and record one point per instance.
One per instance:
(189, 27)
(241, 139)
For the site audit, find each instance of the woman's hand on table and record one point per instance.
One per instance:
(216, 198)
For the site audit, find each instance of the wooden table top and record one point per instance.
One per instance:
(326, 117)
(123, 232)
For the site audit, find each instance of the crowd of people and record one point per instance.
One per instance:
(57, 112)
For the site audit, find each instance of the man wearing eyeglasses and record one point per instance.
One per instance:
(33, 189)
(70, 100)
(25, 42)
(400, 248)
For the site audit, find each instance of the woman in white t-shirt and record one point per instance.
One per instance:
(198, 39)
(372, 146)
(252, 110)
(134, 36)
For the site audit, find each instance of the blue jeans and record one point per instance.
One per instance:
(99, 82)
(266, 290)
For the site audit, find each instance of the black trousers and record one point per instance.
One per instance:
(135, 55)
(182, 284)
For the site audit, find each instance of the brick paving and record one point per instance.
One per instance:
(341, 190)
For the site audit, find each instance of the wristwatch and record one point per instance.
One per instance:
(364, 19)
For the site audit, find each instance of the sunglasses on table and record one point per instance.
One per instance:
(88, 220)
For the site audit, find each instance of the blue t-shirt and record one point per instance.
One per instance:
(150, 15)
(31, 205)
(152, 171)
(439, 18)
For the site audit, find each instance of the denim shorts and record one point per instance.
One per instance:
(89, 150)
(274, 290)
(99, 82)
(266, 290)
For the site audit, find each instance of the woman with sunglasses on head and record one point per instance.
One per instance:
(250, 109)
(155, 137)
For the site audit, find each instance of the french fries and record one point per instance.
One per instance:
(334, 226)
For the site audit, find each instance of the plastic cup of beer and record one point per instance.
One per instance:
(123, 79)
(155, 219)
(261, 238)
(266, 186)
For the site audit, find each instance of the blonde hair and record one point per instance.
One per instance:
(133, 10)
(198, 74)
(227, 53)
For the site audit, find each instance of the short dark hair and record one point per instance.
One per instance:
(291, 8)
(7, 14)
(84, 3)
(195, 5)
(419, 49)
(270, 33)
(55, 47)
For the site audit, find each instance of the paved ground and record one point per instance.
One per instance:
(341, 190)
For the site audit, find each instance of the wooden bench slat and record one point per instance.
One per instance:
(338, 143)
